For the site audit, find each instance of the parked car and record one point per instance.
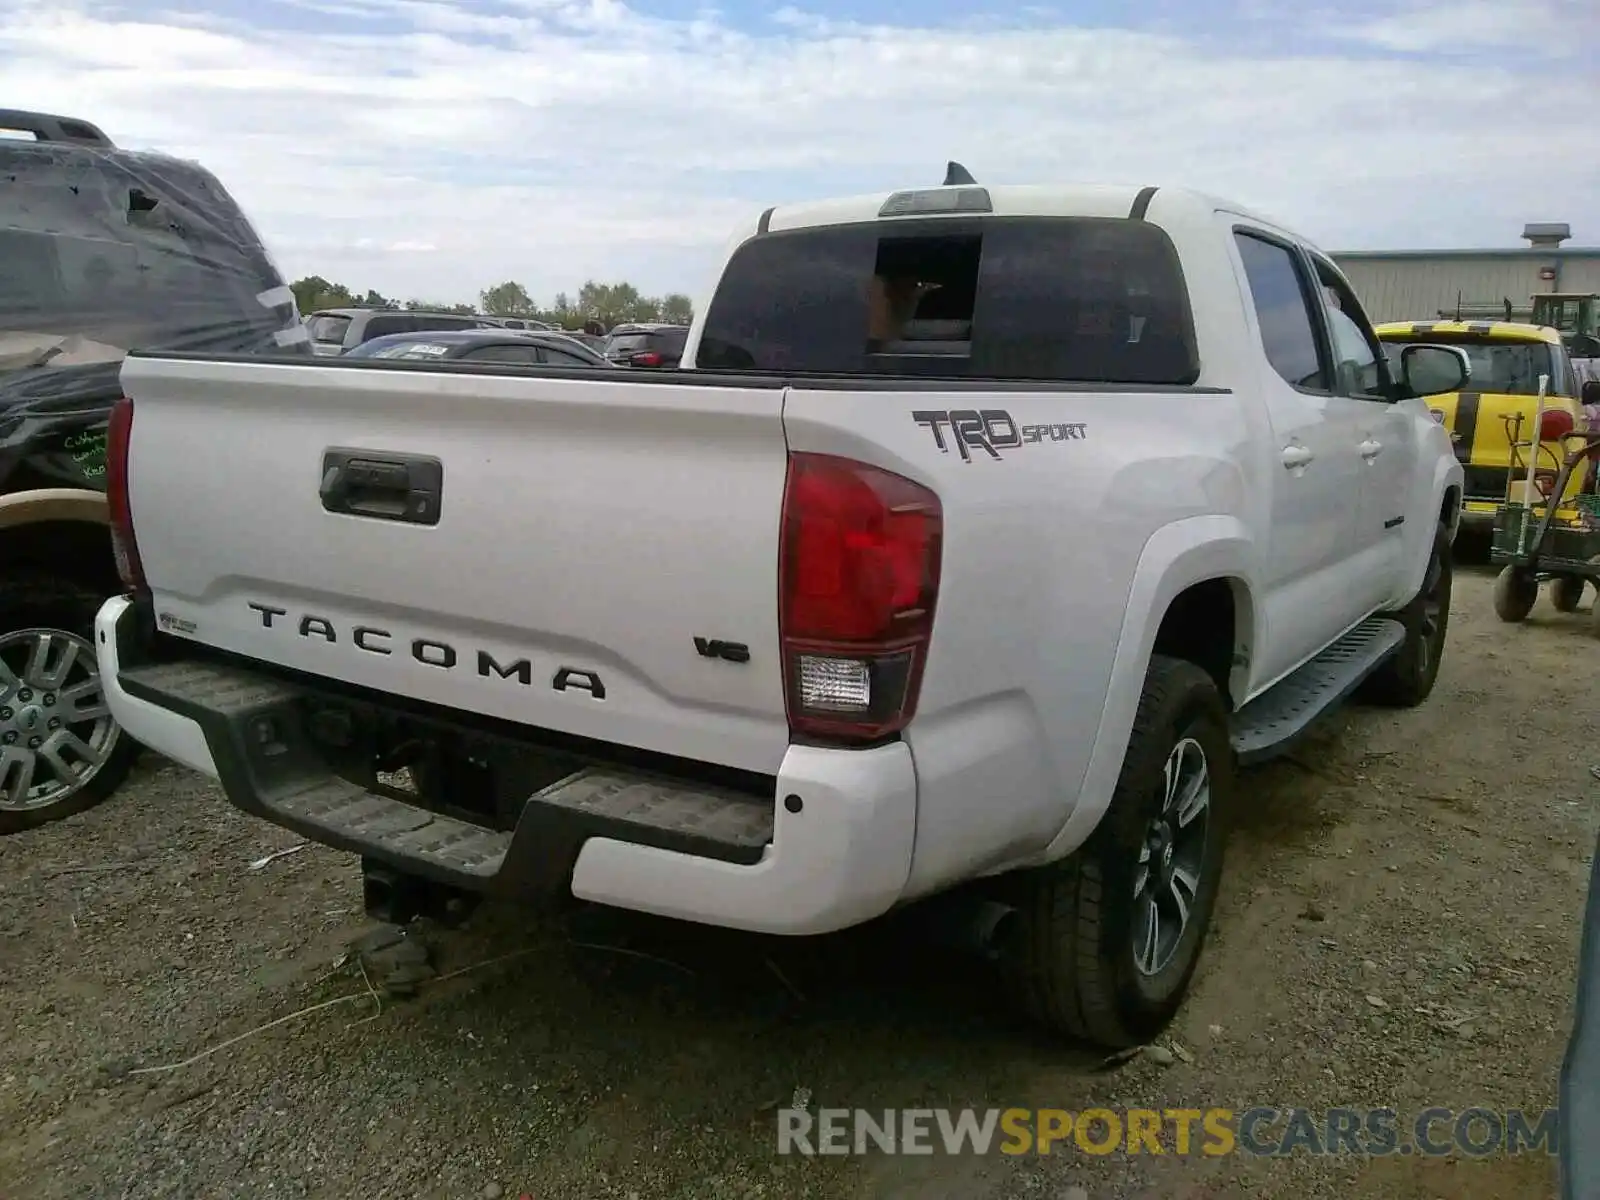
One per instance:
(337, 331)
(646, 345)
(1507, 360)
(482, 345)
(895, 593)
(102, 249)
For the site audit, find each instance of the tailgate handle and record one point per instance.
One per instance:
(382, 485)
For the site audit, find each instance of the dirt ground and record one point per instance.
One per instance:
(1398, 928)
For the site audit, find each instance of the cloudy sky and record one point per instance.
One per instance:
(433, 147)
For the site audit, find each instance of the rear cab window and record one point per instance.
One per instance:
(1057, 299)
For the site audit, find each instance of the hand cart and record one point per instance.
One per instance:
(1531, 542)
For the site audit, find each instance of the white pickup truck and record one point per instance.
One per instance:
(984, 532)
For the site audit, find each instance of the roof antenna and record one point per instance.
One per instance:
(955, 173)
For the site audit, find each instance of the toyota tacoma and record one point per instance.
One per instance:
(984, 532)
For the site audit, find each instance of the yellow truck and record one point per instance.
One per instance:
(1507, 359)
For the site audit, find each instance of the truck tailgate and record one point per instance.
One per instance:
(593, 540)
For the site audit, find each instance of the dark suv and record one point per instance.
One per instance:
(337, 330)
(646, 345)
(102, 250)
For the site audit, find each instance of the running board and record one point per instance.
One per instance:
(1274, 720)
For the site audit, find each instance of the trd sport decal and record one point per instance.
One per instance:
(990, 430)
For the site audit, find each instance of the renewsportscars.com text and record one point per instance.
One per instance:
(1211, 1132)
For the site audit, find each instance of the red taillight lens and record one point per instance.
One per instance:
(859, 575)
(118, 435)
(645, 358)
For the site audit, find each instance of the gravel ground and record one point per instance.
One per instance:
(1398, 929)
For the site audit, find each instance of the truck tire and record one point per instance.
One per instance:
(41, 612)
(1103, 944)
(1514, 595)
(1407, 678)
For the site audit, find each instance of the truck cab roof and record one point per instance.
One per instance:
(1179, 205)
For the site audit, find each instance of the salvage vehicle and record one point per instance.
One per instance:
(985, 532)
(101, 249)
(1507, 361)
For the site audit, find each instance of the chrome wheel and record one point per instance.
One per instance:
(56, 730)
(1167, 880)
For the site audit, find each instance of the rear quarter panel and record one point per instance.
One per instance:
(1043, 544)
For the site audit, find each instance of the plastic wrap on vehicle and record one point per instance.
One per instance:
(106, 251)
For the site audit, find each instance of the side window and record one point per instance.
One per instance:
(1360, 368)
(382, 326)
(560, 358)
(1288, 329)
(524, 355)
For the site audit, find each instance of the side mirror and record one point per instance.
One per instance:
(1590, 393)
(1434, 370)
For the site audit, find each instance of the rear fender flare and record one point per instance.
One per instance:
(1176, 557)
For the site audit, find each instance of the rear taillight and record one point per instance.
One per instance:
(859, 573)
(118, 435)
(645, 358)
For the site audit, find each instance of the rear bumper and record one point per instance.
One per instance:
(830, 848)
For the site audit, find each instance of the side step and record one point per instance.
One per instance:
(1273, 721)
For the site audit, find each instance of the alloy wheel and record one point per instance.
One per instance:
(1166, 882)
(56, 729)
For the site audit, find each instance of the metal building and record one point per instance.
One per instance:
(1395, 285)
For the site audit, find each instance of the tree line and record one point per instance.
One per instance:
(606, 304)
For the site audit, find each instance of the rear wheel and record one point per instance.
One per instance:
(1514, 595)
(1105, 942)
(60, 750)
(1566, 593)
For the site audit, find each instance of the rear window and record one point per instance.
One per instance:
(669, 341)
(626, 343)
(1075, 299)
(328, 329)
